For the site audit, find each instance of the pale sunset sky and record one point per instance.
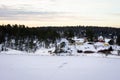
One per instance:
(60, 12)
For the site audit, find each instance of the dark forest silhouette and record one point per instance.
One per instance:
(20, 37)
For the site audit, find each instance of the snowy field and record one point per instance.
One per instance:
(29, 67)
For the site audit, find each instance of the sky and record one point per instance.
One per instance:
(60, 12)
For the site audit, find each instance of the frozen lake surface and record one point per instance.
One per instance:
(29, 67)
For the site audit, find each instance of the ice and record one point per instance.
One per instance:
(31, 67)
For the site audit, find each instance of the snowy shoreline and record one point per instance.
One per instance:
(94, 55)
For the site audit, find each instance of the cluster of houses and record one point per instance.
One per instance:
(81, 45)
(81, 41)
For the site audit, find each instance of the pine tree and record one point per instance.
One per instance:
(118, 40)
(89, 34)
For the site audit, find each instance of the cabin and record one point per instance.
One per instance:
(107, 42)
(100, 39)
(103, 41)
(79, 41)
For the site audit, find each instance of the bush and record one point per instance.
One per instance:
(106, 52)
(79, 51)
(89, 52)
(118, 40)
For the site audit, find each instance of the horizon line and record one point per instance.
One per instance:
(64, 26)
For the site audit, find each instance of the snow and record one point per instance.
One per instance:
(86, 47)
(24, 67)
(101, 46)
(0, 47)
(63, 40)
(79, 39)
(71, 49)
(45, 52)
(116, 47)
(100, 38)
(41, 65)
(13, 52)
(107, 40)
(41, 52)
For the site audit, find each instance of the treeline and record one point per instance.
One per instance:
(21, 37)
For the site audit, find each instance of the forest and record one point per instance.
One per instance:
(24, 38)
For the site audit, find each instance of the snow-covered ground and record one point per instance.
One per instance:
(32, 67)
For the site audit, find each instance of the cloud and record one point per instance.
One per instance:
(7, 13)
(5, 10)
(63, 11)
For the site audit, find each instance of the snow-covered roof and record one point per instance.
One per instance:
(99, 43)
(101, 46)
(100, 38)
(86, 47)
(64, 40)
(89, 47)
(79, 39)
(107, 40)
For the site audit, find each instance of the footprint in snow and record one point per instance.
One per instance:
(62, 65)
